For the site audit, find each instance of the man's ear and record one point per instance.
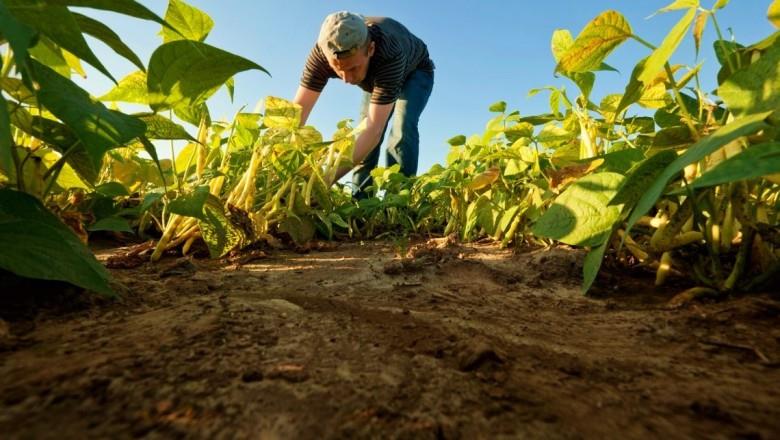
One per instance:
(371, 48)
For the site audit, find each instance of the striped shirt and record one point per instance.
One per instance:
(397, 54)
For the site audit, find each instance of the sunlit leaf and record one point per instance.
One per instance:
(190, 22)
(680, 4)
(160, 127)
(280, 113)
(720, 4)
(457, 140)
(641, 176)
(99, 128)
(755, 88)
(581, 216)
(698, 29)
(104, 33)
(753, 162)
(498, 107)
(126, 7)
(773, 13)
(655, 62)
(596, 41)
(188, 72)
(702, 148)
(131, 88)
(57, 23)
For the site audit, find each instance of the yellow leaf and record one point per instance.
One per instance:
(698, 28)
(485, 179)
(773, 13)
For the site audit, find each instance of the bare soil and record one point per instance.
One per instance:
(353, 341)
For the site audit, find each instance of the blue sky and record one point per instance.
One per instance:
(484, 52)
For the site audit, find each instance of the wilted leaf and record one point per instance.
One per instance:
(698, 29)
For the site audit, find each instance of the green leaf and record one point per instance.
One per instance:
(592, 265)
(57, 23)
(60, 138)
(114, 224)
(755, 161)
(131, 88)
(193, 114)
(581, 216)
(6, 142)
(16, 89)
(673, 137)
(720, 4)
(697, 152)
(112, 190)
(99, 128)
(622, 161)
(660, 56)
(596, 41)
(773, 13)
(640, 177)
(498, 107)
(160, 127)
(190, 205)
(634, 88)
(188, 72)
(109, 37)
(20, 37)
(152, 151)
(125, 7)
(190, 22)
(300, 229)
(219, 233)
(457, 140)
(35, 244)
(754, 89)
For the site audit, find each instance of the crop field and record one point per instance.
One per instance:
(609, 268)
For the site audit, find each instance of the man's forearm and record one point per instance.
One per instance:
(364, 144)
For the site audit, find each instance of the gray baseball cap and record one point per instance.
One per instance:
(342, 33)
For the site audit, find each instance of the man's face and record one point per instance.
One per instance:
(353, 69)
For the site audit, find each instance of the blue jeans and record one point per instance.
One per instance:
(403, 146)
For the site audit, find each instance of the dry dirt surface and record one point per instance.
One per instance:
(354, 341)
